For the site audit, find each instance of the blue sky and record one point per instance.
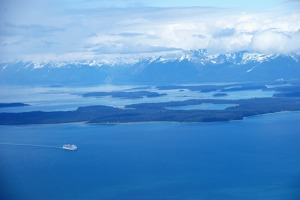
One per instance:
(66, 30)
(253, 5)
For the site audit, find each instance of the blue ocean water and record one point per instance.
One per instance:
(257, 158)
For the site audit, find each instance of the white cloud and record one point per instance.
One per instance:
(233, 43)
(275, 42)
(291, 2)
(79, 33)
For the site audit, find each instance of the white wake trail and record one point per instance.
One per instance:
(30, 145)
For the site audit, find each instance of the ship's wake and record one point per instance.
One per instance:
(31, 145)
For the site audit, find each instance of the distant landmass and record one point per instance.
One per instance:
(226, 73)
(190, 67)
(150, 112)
(285, 98)
(125, 95)
(8, 105)
(220, 95)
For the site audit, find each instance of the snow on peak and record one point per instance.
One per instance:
(255, 57)
(194, 56)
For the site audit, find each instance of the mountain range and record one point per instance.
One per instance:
(189, 67)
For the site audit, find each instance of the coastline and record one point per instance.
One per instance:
(86, 123)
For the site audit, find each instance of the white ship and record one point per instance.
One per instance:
(71, 147)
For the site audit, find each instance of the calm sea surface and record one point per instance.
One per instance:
(257, 158)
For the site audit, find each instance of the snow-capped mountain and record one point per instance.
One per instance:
(189, 67)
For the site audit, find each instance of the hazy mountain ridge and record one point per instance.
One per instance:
(190, 67)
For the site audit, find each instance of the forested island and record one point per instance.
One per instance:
(125, 95)
(151, 112)
(9, 105)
